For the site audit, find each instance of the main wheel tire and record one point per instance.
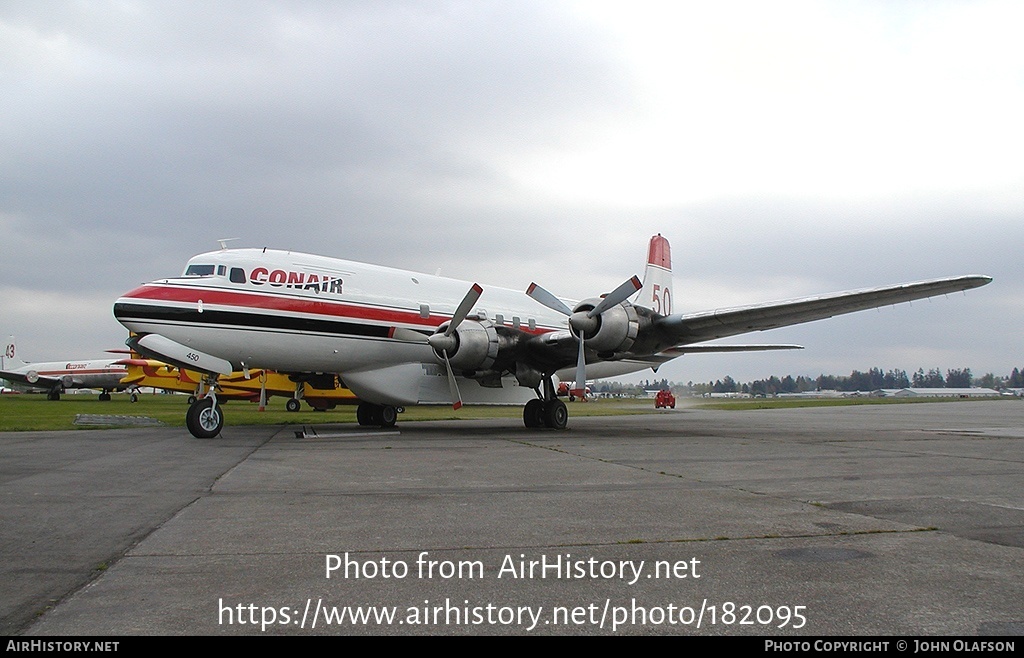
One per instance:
(533, 414)
(292, 405)
(204, 419)
(364, 414)
(556, 415)
(388, 416)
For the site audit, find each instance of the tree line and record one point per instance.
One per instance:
(872, 380)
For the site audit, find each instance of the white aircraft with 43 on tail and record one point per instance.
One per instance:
(55, 377)
(400, 338)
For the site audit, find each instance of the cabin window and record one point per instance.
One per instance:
(237, 275)
(199, 270)
(424, 311)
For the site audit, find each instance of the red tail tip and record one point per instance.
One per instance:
(659, 252)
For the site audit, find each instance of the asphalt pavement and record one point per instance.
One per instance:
(901, 521)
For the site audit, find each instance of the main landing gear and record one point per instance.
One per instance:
(546, 411)
(376, 415)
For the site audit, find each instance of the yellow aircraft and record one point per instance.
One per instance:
(321, 391)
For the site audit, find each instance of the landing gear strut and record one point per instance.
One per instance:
(546, 411)
(294, 404)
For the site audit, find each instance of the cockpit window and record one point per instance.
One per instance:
(199, 270)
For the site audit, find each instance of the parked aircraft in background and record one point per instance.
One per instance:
(55, 377)
(321, 393)
(398, 338)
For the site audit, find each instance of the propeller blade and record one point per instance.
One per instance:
(452, 384)
(581, 371)
(616, 296)
(547, 299)
(465, 306)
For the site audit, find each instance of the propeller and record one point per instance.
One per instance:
(446, 341)
(583, 322)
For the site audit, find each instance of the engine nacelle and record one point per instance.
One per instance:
(614, 330)
(472, 347)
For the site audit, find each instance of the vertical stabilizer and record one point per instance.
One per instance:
(657, 291)
(9, 357)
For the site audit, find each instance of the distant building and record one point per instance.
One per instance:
(811, 394)
(938, 393)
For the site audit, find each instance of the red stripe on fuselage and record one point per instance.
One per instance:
(254, 300)
(105, 371)
(290, 304)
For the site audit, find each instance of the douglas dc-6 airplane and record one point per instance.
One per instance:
(400, 338)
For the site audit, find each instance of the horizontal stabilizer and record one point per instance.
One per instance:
(699, 349)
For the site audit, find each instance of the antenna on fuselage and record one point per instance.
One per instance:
(224, 242)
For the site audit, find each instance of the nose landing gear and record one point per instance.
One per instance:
(204, 418)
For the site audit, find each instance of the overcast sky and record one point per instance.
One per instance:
(784, 148)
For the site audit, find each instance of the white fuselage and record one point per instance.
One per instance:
(295, 312)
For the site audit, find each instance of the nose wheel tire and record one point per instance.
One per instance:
(204, 419)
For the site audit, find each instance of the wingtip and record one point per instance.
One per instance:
(978, 280)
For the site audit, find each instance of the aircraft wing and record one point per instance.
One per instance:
(31, 378)
(684, 329)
